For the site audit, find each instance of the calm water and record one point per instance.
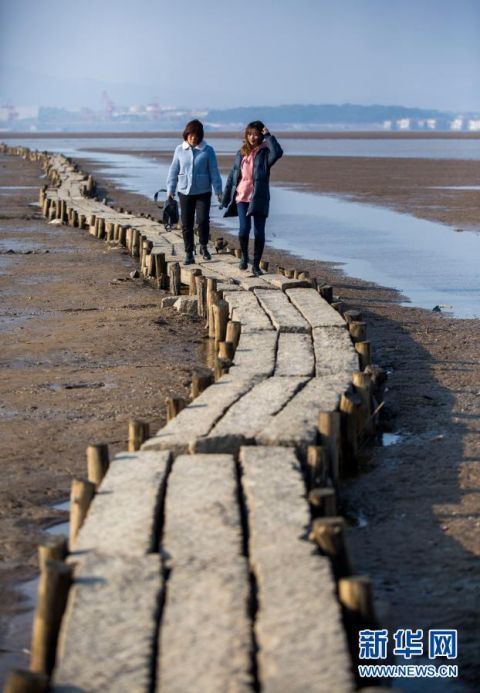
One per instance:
(429, 262)
(430, 149)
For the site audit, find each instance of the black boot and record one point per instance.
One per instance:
(205, 254)
(256, 269)
(189, 259)
(243, 264)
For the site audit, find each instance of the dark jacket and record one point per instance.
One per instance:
(262, 164)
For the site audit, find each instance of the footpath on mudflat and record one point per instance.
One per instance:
(210, 556)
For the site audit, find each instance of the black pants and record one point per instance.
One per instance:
(189, 206)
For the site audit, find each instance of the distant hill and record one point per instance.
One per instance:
(326, 115)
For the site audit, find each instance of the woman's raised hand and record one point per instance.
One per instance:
(265, 131)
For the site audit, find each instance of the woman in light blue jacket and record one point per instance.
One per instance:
(194, 171)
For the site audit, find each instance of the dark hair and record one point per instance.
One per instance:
(254, 125)
(194, 127)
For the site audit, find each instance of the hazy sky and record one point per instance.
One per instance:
(216, 53)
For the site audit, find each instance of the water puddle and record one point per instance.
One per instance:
(428, 262)
(388, 439)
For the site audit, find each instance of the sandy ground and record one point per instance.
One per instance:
(414, 509)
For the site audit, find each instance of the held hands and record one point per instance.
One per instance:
(220, 200)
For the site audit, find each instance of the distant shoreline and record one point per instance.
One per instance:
(288, 134)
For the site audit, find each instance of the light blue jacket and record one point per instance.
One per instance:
(194, 170)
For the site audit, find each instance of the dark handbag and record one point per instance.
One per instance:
(170, 215)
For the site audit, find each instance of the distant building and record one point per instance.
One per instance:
(473, 124)
(403, 123)
(456, 124)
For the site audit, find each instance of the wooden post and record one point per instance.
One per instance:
(226, 350)
(222, 366)
(220, 310)
(289, 273)
(200, 382)
(349, 408)
(329, 535)
(174, 406)
(353, 316)
(201, 293)
(81, 496)
(55, 581)
(135, 251)
(356, 596)
(192, 287)
(211, 321)
(358, 331)
(97, 462)
(53, 548)
(280, 270)
(317, 466)
(138, 433)
(174, 277)
(234, 328)
(161, 270)
(339, 306)
(329, 429)
(238, 253)
(364, 352)
(323, 502)
(20, 681)
(264, 265)
(211, 289)
(362, 384)
(122, 235)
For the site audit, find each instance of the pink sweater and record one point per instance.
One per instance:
(245, 186)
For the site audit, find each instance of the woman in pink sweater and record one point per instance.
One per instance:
(247, 193)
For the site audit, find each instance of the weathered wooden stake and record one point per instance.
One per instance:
(364, 351)
(55, 581)
(192, 287)
(326, 292)
(201, 293)
(329, 429)
(200, 382)
(174, 406)
(350, 405)
(97, 462)
(356, 596)
(358, 331)
(138, 433)
(81, 496)
(226, 350)
(363, 385)
(53, 548)
(323, 502)
(220, 310)
(174, 273)
(317, 466)
(234, 328)
(20, 681)
(353, 316)
(264, 265)
(328, 533)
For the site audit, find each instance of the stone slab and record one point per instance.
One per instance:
(109, 627)
(249, 415)
(279, 281)
(205, 637)
(314, 308)
(201, 415)
(295, 355)
(244, 277)
(244, 306)
(256, 353)
(334, 351)
(299, 630)
(296, 424)
(123, 515)
(284, 316)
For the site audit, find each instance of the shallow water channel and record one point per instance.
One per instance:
(430, 263)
